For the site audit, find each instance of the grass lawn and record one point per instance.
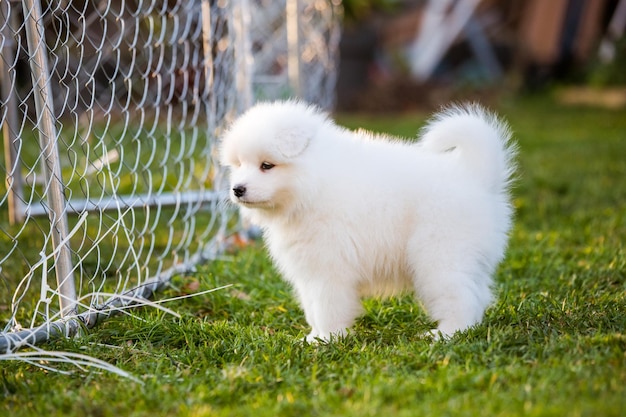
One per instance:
(554, 344)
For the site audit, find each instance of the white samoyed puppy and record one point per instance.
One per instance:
(351, 214)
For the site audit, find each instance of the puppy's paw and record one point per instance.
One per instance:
(315, 339)
(436, 335)
(322, 337)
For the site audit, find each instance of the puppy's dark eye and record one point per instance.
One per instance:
(266, 166)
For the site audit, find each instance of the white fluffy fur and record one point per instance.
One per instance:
(350, 214)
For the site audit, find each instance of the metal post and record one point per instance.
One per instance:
(243, 55)
(292, 9)
(51, 161)
(207, 48)
(10, 127)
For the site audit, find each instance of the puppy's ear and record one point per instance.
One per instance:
(292, 142)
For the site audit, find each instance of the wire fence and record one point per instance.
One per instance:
(110, 112)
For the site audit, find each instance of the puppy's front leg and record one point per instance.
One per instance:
(330, 309)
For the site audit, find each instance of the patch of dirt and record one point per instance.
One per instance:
(609, 98)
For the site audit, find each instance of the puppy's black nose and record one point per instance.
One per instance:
(239, 190)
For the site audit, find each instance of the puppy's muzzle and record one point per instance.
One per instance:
(239, 190)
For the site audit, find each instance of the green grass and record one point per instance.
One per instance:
(553, 345)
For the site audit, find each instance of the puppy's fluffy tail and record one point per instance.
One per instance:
(481, 141)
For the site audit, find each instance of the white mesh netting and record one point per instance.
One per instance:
(110, 111)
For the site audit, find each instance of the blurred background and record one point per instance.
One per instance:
(403, 54)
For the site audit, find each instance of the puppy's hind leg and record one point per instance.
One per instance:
(455, 300)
